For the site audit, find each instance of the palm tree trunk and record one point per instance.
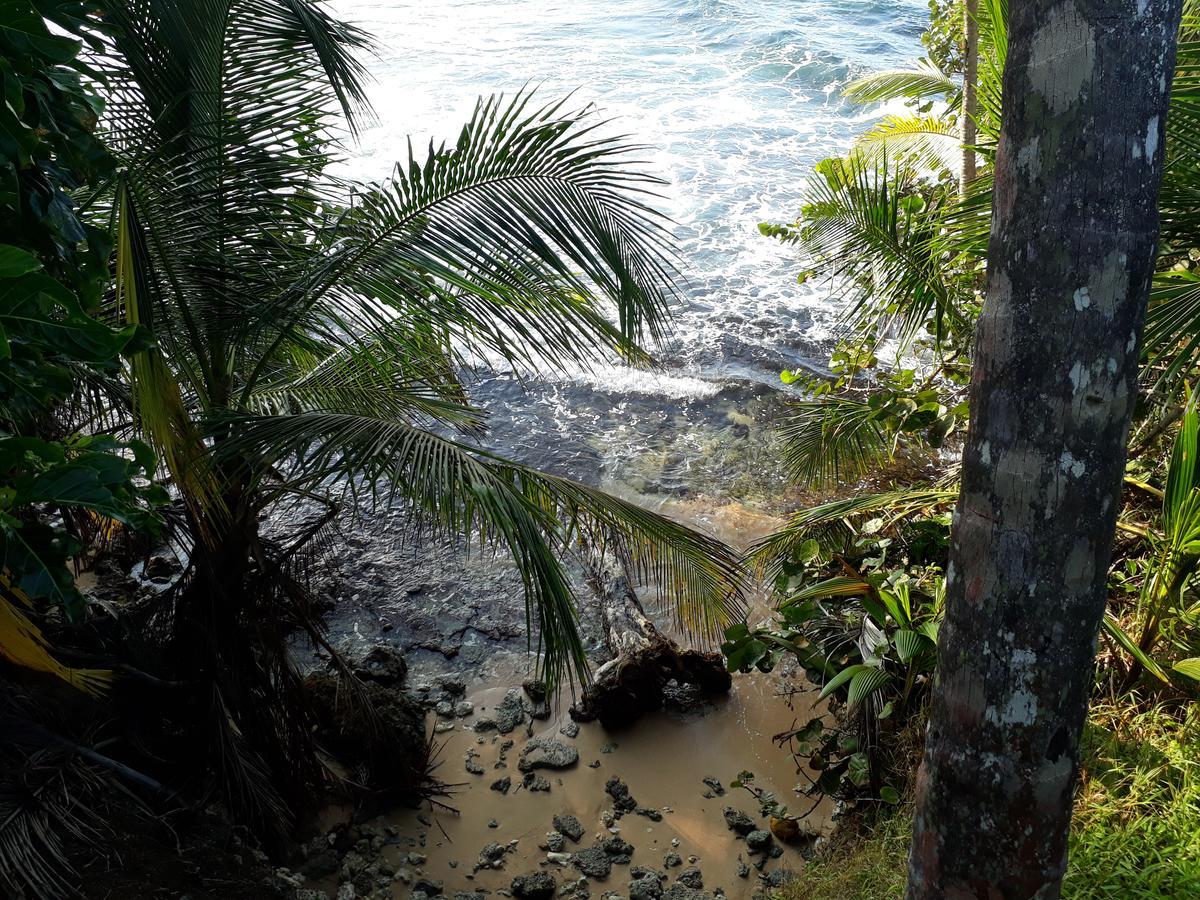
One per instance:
(1069, 266)
(970, 77)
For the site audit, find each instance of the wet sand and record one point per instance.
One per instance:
(663, 760)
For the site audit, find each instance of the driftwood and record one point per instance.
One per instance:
(644, 660)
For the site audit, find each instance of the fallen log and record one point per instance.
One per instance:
(645, 661)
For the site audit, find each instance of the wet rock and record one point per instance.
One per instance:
(622, 800)
(443, 727)
(427, 886)
(620, 850)
(346, 892)
(563, 859)
(571, 730)
(534, 886)
(592, 862)
(645, 889)
(775, 851)
(383, 664)
(738, 821)
(535, 782)
(455, 687)
(652, 814)
(683, 892)
(491, 856)
(692, 878)
(470, 895)
(547, 753)
(638, 872)
(743, 870)
(471, 765)
(758, 840)
(534, 689)
(671, 859)
(311, 895)
(568, 825)
(510, 712)
(503, 785)
(554, 842)
(492, 823)
(714, 785)
(463, 708)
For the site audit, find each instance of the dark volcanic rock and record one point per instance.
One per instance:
(568, 825)
(619, 791)
(714, 785)
(692, 878)
(534, 886)
(535, 782)
(503, 785)
(645, 889)
(509, 713)
(592, 862)
(547, 753)
(738, 821)
(620, 850)
(383, 664)
(758, 840)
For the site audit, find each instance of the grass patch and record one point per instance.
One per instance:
(1136, 831)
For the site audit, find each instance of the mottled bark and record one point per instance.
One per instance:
(1072, 250)
(970, 80)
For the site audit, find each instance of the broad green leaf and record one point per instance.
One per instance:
(15, 262)
(864, 684)
(1189, 668)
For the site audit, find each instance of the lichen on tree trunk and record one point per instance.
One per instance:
(1072, 250)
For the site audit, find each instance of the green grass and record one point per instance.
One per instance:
(1136, 831)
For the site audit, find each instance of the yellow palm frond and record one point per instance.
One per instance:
(22, 643)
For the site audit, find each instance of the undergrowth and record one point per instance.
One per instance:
(1134, 833)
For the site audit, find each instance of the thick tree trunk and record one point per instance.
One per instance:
(1073, 241)
(970, 79)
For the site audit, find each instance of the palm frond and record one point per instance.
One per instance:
(919, 83)
(537, 517)
(820, 522)
(929, 142)
(832, 439)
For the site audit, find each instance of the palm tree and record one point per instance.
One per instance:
(311, 331)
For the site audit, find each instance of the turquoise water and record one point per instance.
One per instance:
(736, 99)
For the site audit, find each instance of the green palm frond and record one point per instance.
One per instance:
(827, 522)
(537, 517)
(832, 439)
(883, 247)
(931, 142)
(919, 83)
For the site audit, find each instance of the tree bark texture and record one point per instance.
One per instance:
(1074, 233)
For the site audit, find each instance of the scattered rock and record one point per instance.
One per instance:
(619, 791)
(547, 753)
(592, 862)
(692, 878)
(534, 886)
(714, 785)
(738, 821)
(568, 825)
(671, 859)
(455, 687)
(554, 842)
(571, 730)
(463, 708)
(491, 857)
(445, 709)
(620, 850)
(321, 864)
(383, 664)
(645, 889)
(758, 840)
(510, 712)
(652, 814)
(503, 785)
(535, 782)
(428, 887)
